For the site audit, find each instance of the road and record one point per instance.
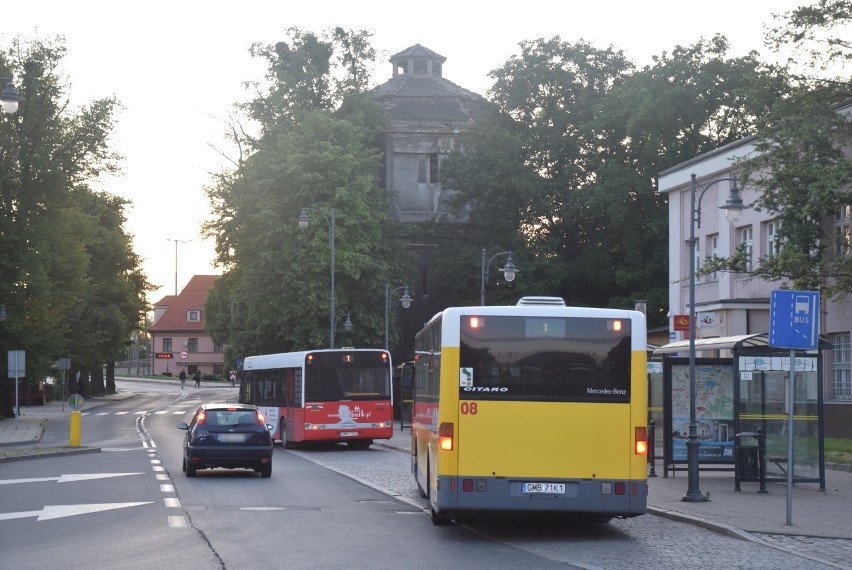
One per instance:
(131, 506)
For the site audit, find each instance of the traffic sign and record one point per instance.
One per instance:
(794, 319)
(76, 402)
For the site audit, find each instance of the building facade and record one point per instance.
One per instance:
(730, 304)
(178, 336)
(425, 116)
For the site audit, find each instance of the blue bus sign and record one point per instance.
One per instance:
(794, 319)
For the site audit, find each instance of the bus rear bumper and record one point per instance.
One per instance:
(597, 498)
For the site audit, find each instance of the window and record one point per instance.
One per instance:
(167, 345)
(746, 235)
(713, 251)
(773, 240)
(422, 170)
(193, 316)
(192, 345)
(697, 257)
(843, 231)
(841, 383)
(218, 347)
(420, 66)
(427, 168)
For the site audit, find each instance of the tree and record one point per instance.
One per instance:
(564, 172)
(48, 230)
(313, 153)
(801, 172)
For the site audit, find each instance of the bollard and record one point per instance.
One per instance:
(74, 438)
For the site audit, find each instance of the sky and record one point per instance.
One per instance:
(179, 67)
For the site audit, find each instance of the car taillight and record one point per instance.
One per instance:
(201, 416)
(640, 446)
(445, 436)
(260, 418)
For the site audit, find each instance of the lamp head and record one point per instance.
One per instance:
(304, 220)
(733, 205)
(10, 98)
(347, 325)
(405, 299)
(510, 270)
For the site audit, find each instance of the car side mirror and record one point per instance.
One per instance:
(182, 425)
(270, 427)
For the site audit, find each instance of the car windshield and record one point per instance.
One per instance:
(231, 418)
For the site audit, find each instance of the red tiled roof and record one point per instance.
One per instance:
(191, 298)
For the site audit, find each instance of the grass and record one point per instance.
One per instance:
(838, 450)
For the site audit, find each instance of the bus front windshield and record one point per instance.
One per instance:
(331, 377)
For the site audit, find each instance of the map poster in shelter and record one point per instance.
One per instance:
(714, 412)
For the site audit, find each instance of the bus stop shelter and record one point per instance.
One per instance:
(740, 399)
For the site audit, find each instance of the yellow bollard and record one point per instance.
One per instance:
(74, 439)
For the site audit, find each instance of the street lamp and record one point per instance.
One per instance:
(176, 259)
(348, 326)
(733, 208)
(9, 99)
(405, 300)
(509, 272)
(304, 221)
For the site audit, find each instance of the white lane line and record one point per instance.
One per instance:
(167, 488)
(162, 477)
(120, 413)
(178, 522)
(172, 502)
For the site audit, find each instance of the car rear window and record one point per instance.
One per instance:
(230, 417)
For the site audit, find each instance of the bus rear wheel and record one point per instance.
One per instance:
(360, 443)
(285, 441)
(439, 519)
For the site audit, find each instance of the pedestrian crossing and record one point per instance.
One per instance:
(176, 412)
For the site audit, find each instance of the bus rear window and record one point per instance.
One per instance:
(550, 359)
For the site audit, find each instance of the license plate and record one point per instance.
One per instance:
(232, 437)
(543, 488)
(349, 434)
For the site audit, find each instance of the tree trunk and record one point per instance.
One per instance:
(96, 385)
(110, 377)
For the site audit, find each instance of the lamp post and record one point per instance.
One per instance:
(733, 208)
(9, 99)
(176, 259)
(509, 272)
(405, 300)
(304, 221)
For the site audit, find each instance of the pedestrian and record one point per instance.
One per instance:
(197, 378)
(81, 386)
(182, 377)
(233, 378)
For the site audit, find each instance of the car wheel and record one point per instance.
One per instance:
(190, 469)
(266, 471)
(184, 464)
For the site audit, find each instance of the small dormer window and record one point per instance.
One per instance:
(193, 316)
(420, 67)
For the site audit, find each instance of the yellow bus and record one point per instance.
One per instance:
(531, 408)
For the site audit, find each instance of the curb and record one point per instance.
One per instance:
(56, 453)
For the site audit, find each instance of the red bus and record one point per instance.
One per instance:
(322, 395)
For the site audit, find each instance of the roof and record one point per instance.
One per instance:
(192, 297)
(739, 342)
(418, 50)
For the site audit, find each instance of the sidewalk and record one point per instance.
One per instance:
(814, 513)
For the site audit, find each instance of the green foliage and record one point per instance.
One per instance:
(563, 172)
(274, 296)
(71, 284)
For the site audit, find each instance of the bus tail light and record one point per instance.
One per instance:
(445, 436)
(640, 446)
